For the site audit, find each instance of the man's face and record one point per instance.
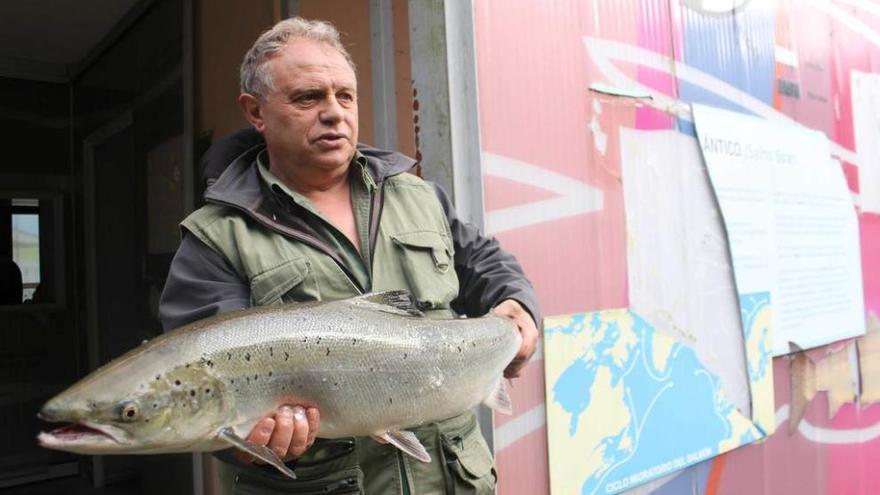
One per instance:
(310, 118)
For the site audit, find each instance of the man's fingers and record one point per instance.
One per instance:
(299, 440)
(284, 431)
(527, 330)
(314, 418)
(513, 369)
(259, 435)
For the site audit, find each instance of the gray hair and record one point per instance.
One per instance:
(254, 72)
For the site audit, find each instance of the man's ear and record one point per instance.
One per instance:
(253, 112)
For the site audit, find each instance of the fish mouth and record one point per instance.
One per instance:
(82, 437)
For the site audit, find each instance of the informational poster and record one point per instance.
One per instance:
(682, 375)
(627, 404)
(790, 222)
(679, 275)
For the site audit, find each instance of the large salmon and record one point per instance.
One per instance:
(372, 365)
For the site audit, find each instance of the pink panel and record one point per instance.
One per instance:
(870, 237)
(536, 108)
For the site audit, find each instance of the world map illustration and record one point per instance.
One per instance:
(626, 404)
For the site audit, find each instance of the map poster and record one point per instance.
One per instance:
(791, 224)
(627, 404)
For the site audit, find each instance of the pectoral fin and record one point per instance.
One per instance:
(499, 398)
(259, 451)
(407, 442)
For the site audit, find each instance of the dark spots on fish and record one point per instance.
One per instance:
(232, 380)
(328, 352)
(187, 365)
(256, 377)
(270, 373)
(391, 400)
(473, 344)
(354, 341)
(228, 356)
(207, 390)
(184, 404)
(177, 382)
(247, 379)
(459, 348)
(157, 377)
(318, 342)
(372, 369)
(247, 356)
(404, 355)
(146, 420)
(335, 384)
(271, 352)
(192, 393)
(210, 363)
(286, 356)
(155, 406)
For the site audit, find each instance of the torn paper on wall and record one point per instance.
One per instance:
(791, 224)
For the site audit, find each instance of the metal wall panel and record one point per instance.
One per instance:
(553, 193)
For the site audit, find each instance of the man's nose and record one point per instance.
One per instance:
(332, 111)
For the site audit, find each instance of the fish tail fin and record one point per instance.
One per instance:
(803, 388)
(499, 398)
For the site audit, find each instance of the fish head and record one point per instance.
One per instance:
(118, 412)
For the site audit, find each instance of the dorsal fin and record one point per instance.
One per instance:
(398, 302)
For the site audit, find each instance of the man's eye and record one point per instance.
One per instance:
(307, 98)
(345, 97)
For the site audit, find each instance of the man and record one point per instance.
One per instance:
(309, 217)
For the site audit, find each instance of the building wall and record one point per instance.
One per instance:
(809, 61)
(225, 29)
(222, 33)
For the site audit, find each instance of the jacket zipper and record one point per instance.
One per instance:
(375, 215)
(299, 236)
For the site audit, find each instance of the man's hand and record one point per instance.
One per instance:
(527, 329)
(289, 433)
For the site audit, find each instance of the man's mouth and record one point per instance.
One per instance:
(331, 138)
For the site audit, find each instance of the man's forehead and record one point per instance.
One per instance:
(308, 53)
(306, 62)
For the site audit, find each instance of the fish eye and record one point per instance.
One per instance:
(128, 411)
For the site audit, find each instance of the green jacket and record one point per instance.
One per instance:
(250, 245)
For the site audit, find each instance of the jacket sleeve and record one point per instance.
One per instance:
(487, 274)
(200, 283)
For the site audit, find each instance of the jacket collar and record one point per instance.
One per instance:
(239, 184)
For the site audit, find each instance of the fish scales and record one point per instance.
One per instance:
(357, 363)
(368, 366)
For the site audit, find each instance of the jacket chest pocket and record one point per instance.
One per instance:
(428, 266)
(290, 281)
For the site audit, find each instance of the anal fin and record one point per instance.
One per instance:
(407, 442)
(499, 398)
(259, 451)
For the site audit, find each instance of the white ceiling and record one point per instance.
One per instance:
(42, 39)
